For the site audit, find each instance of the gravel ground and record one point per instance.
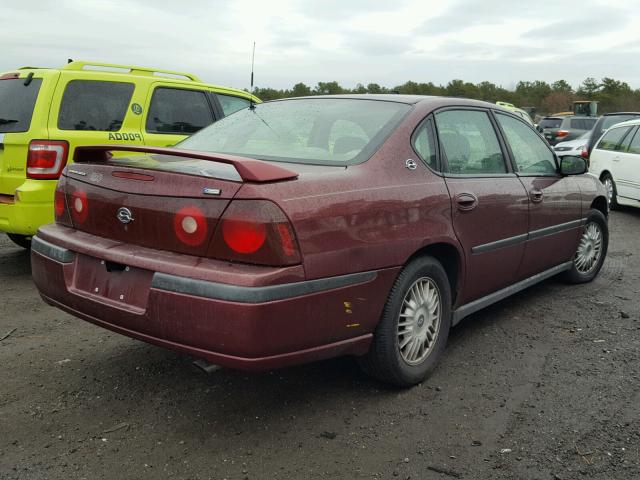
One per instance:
(544, 385)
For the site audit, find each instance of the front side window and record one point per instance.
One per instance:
(94, 105)
(613, 138)
(326, 131)
(232, 104)
(530, 152)
(178, 111)
(17, 102)
(469, 142)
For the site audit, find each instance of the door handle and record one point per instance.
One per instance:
(616, 159)
(466, 201)
(536, 195)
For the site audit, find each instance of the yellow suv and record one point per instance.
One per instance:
(46, 113)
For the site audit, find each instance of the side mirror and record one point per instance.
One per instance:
(570, 165)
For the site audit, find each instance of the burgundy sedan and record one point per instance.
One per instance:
(308, 228)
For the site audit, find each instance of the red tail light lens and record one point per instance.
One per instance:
(79, 206)
(255, 231)
(46, 159)
(59, 203)
(562, 133)
(584, 153)
(190, 226)
(244, 237)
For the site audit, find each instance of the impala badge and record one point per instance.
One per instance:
(124, 215)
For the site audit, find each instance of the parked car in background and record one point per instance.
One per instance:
(561, 129)
(606, 121)
(518, 111)
(615, 160)
(577, 147)
(308, 228)
(46, 113)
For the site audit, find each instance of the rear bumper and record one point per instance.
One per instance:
(29, 209)
(252, 327)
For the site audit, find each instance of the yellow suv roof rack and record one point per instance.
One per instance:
(80, 65)
(506, 104)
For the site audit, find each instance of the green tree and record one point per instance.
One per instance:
(561, 86)
(589, 88)
(300, 90)
(328, 88)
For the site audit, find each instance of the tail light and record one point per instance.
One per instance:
(585, 152)
(255, 231)
(46, 159)
(562, 133)
(79, 206)
(190, 226)
(60, 205)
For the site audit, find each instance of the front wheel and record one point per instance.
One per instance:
(414, 327)
(592, 249)
(610, 186)
(20, 240)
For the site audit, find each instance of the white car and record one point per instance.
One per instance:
(615, 160)
(575, 148)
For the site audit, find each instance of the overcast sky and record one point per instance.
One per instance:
(351, 41)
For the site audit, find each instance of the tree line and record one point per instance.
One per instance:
(612, 95)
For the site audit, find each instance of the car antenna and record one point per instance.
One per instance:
(252, 104)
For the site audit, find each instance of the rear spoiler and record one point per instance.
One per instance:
(249, 169)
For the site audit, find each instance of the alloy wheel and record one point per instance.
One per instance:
(419, 321)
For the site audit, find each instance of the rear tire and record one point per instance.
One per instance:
(592, 249)
(612, 192)
(23, 241)
(413, 330)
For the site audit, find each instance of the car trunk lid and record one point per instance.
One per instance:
(169, 202)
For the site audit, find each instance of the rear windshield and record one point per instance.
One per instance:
(582, 123)
(550, 123)
(326, 131)
(17, 101)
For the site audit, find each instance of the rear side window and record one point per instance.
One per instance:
(530, 152)
(17, 101)
(424, 143)
(635, 143)
(232, 104)
(582, 123)
(613, 138)
(94, 105)
(469, 142)
(178, 111)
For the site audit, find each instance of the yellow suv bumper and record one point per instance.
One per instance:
(32, 207)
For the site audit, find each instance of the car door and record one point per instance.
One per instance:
(554, 200)
(626, 167)
(489, 204)
(173, 113)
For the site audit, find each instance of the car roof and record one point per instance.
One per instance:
(628, 123)
(620, 113)
(406, 99)
(170, 76)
